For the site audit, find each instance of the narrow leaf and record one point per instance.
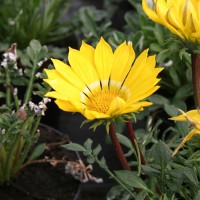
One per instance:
(74, 147)
(38, 151)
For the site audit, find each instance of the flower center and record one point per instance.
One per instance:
(99, 99)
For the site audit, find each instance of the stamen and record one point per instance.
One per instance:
(101, 96)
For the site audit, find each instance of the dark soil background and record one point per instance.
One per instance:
(44, 181)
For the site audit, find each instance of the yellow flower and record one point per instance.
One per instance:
(102, 84)
(181, 17)
(193, 117)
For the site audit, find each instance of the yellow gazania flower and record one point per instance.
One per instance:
(181, 17)
(102, 84)
(193, 117)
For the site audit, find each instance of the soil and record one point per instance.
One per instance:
(43, 181)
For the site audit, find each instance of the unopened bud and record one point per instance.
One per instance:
(21, 114)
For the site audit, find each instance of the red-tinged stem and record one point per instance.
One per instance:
(134, 140)
(118, 147)
(196, 78)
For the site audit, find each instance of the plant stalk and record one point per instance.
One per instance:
(8, 89)
(30, 84)
(196, 78)
(118, 147)
(134, 140)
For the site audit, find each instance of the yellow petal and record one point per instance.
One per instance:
(103, 59)
(66, 71)
(56, 95)
(180, 17)
(83, 64)
(192, 114)
(135, 107)
(124, 56)
(150, 13)
(144, 95)
(66, 106)
(188, 137)
(58, 83)
(138, 66)
(91, 115)
(116, 106)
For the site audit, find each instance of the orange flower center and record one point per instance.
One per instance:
(99, 99)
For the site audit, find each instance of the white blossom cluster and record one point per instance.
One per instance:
(10, 56)
(41, 107)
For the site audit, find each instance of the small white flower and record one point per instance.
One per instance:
(42, 107)
(46, 100)
(41, 62)
(15, 91)
(20, 72)
(168, 64)
(3, 131)
(15, 66)
(38, 75)
(4, 63)
(31, 105)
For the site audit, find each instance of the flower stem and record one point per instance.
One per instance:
(112, 175)
(118, 148)
(8, 89)
(134, 140)
(196, 78)
(30, 84)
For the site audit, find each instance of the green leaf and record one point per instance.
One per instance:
(35, 46)
(175, 76)
(191, 176)
(43, 53)
(88, 145)
(171, 110)
(90, 159)
(31, 54)
(159, 35)
(131, 179)
(33, 50)
(162, 154)
(141, 195)
(38, 151)
(197, 195)
(183, 92)
(159, 99)
(156, 47)
(97, 150)
(150, 170)
(74, 147)
(124, 140)
(163, 55)
(183, 128)
(103, 164)
(182, 52)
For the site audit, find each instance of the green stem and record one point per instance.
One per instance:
(31, 82)
(8, 89)
(28, 145)
(10, 159)
(113, 176)
(196, 78)
(36, 124)
(17, 104)
(2, 164)
(118, 148)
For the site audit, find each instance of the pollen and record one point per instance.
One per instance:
(101, 101)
